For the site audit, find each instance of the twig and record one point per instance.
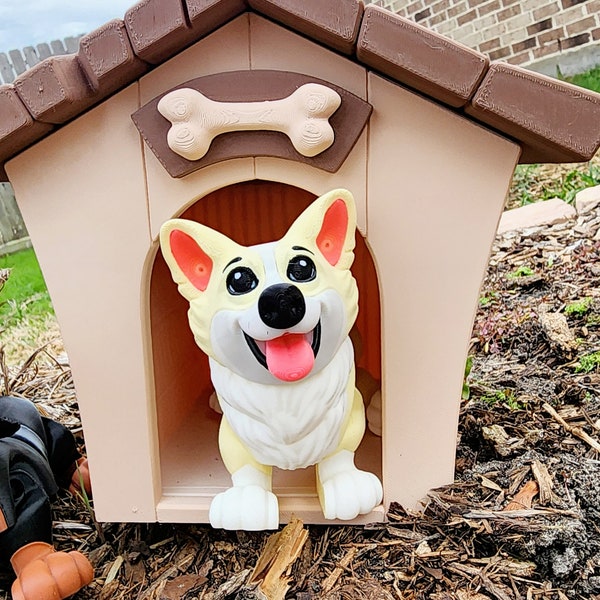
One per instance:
(573, 430)
(333, 577)
(518, 514)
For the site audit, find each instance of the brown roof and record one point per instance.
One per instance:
(552, 120)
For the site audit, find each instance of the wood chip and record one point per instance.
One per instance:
(114, 569)
(556, 328)
(274, 564)
(544, 481)
(502, 442)
(489, 484)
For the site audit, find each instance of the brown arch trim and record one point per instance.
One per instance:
(253, 86)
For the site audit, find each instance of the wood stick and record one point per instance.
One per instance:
(274, 563)
(573, 430)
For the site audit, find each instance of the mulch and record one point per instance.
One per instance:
(521, 521)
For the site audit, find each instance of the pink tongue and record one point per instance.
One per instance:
(290, 357)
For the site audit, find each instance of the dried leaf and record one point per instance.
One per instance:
(524, 497)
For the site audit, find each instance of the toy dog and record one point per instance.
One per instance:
(37, 456)
(274, 320)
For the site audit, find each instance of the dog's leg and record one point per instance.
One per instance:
(345, 491)
(249, 504)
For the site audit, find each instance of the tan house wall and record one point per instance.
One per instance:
(538, 34)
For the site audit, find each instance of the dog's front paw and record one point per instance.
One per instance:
(345, 491)
(249, 507)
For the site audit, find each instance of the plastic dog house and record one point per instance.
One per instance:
(426, 137)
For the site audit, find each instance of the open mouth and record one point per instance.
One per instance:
(289, 357)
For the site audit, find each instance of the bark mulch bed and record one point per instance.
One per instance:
(520, 522)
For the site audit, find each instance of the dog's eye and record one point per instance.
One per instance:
(301, 268)
(241, 281)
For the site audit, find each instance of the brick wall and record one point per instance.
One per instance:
(538, 34)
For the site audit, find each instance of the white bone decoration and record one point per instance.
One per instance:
(303, 116)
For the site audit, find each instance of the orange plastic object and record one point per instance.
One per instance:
(81, 474)
(45, 574)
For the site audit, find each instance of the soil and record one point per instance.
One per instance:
(521, 520)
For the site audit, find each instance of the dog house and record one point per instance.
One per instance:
(426, 137)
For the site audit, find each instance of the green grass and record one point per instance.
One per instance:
(25, 293)
(532, 183)
(590, 79)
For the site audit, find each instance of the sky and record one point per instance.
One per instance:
(30, 22)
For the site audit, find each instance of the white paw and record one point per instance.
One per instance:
(249, 507)
(347, 492)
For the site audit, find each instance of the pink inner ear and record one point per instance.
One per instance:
(191, 259)
(330, 240)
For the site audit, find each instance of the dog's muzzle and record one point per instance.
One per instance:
(290, 356)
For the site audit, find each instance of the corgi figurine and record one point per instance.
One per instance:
(274, 320)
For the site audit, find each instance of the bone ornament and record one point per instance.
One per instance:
(303, 116)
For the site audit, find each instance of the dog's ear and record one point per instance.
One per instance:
(191, 251)
(328, 224)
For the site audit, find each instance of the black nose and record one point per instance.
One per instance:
(281, 306)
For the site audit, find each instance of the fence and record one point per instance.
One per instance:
(13, 234)
(16, 62)
(543, 35)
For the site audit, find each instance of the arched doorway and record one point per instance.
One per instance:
(250, 212)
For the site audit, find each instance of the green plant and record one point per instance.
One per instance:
(522, 271)
(579, 308)
(588, 363)
(572, 182)
(593, 321)
(466, 388)
(506, 397)
(590, 79)
(532, 183)
(24, 292)
(524, 178)
(487, 299)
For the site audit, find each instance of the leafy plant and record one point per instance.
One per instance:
(579, 308)
(588, 363)
(532, 183)
(590, 79)
(487, 299)
(524, 178)
(521, 271)
(506, 397)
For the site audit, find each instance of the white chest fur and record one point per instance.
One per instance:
(291, 425)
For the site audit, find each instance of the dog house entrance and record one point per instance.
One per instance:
(191, 470)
